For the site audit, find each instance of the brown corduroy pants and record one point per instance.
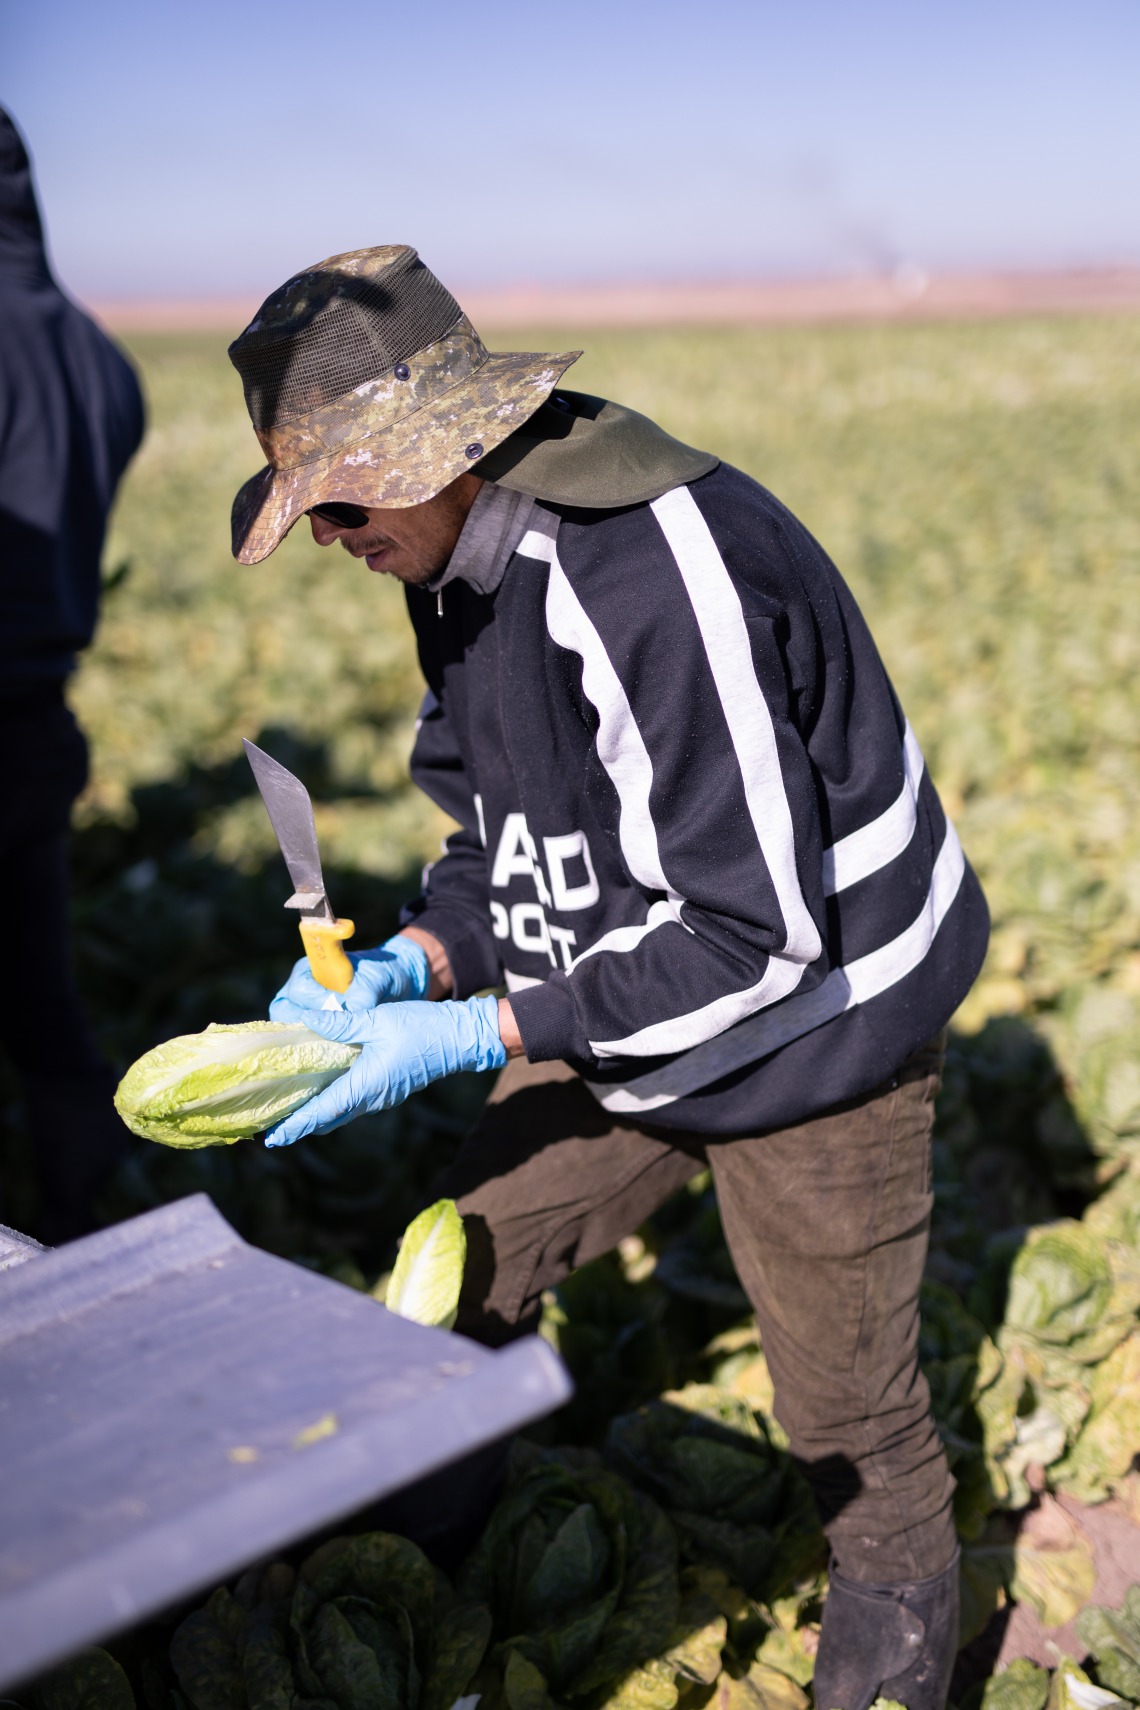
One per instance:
(827, 1224)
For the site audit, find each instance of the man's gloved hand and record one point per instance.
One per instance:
(406, 1046)
(391, 973)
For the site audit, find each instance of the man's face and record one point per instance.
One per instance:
(413, 544)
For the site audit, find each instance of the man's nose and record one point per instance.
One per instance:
(325, 532)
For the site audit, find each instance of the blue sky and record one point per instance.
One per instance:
(215, 148)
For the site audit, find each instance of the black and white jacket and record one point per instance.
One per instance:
(698, 838)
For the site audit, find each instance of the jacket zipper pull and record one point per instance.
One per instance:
(439, 603)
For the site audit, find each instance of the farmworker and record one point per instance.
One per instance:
(71, 418)
(698, 843)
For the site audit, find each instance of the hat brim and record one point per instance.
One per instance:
(403, 464)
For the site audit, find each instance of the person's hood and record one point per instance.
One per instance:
(23, 258)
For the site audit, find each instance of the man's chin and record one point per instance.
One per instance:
(389, 564)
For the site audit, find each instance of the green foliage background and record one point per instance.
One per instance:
(975, 484)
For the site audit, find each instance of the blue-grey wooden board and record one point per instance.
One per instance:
(175, 1404)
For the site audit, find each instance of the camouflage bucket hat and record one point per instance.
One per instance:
(366, 382)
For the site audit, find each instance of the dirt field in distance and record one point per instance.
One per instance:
(907, 294)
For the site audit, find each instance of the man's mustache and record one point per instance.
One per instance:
(371, 543)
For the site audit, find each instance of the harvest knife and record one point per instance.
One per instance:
(291, 816)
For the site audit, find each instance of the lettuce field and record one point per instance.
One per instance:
(976, 484)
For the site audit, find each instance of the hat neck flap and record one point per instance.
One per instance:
(589, 452)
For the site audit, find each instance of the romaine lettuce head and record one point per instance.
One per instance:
(366, 1623)
(211, 1088)
(579, 1572)
(1113, 1637)
(736, 1501)
(1059, 1286)
(1104, 1451)
(1022, 1685)
(90, 1678)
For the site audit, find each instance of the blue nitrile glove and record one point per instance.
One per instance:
(406, 1046)
(391, 973)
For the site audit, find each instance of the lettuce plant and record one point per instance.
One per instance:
(90, 1680)
(1070, 1304)
(580, 1574)
(1113, 1637)
(365, 1624)
(736, 1500)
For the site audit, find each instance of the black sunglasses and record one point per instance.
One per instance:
(342, 516)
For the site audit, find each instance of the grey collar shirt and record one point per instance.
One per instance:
(495, 524)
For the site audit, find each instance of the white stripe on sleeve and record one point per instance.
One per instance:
(684, 1032)
(875, 846)
(843, 988)
(629, 937)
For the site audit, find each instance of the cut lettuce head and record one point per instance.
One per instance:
(211, 1088)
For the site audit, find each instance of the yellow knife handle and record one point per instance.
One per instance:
(328, 964)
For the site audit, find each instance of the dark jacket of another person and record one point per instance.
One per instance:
(71, 418)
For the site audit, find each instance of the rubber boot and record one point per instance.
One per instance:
(888, 1641)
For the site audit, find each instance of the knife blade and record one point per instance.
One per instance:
(290, 811)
